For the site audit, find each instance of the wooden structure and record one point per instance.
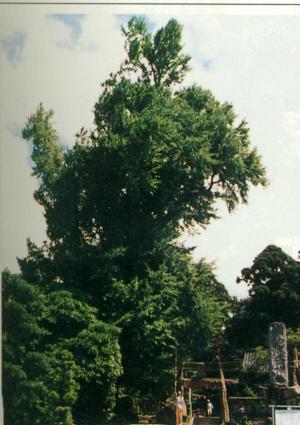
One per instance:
(201, 378)
(210, 376)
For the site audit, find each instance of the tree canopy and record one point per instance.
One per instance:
(158, 158)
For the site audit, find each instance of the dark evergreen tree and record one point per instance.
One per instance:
(274, 296)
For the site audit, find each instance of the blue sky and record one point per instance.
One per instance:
(252, 61)
(73, 21)
(124, 18)
(13, 46)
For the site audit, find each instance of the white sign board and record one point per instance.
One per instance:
(287, 417)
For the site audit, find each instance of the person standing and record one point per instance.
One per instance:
(209, 408)
(180, 408)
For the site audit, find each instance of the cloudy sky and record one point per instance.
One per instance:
(249, 56)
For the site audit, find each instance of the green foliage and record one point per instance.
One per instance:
(171, 157)
(158, 58)
(176, 310)
(47, 155)
(261, 360)
(293, 337)
(39, 385)
(257, 373)
(274, 280)
(52, 346)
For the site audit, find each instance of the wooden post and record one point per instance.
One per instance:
(190, 405)
(293, 369)
(224, 401)
(175, 373)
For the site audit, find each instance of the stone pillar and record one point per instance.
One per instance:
(278, 355)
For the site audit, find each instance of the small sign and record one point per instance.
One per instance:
(287, 417)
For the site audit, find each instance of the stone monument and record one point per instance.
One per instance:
(282, 389)
(278, 357)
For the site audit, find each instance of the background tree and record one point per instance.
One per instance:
(274, 280)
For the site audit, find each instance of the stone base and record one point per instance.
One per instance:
(291, 392)
(283, 394)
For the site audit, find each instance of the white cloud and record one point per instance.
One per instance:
(290, 245)
(256, 63)
(291, 125)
